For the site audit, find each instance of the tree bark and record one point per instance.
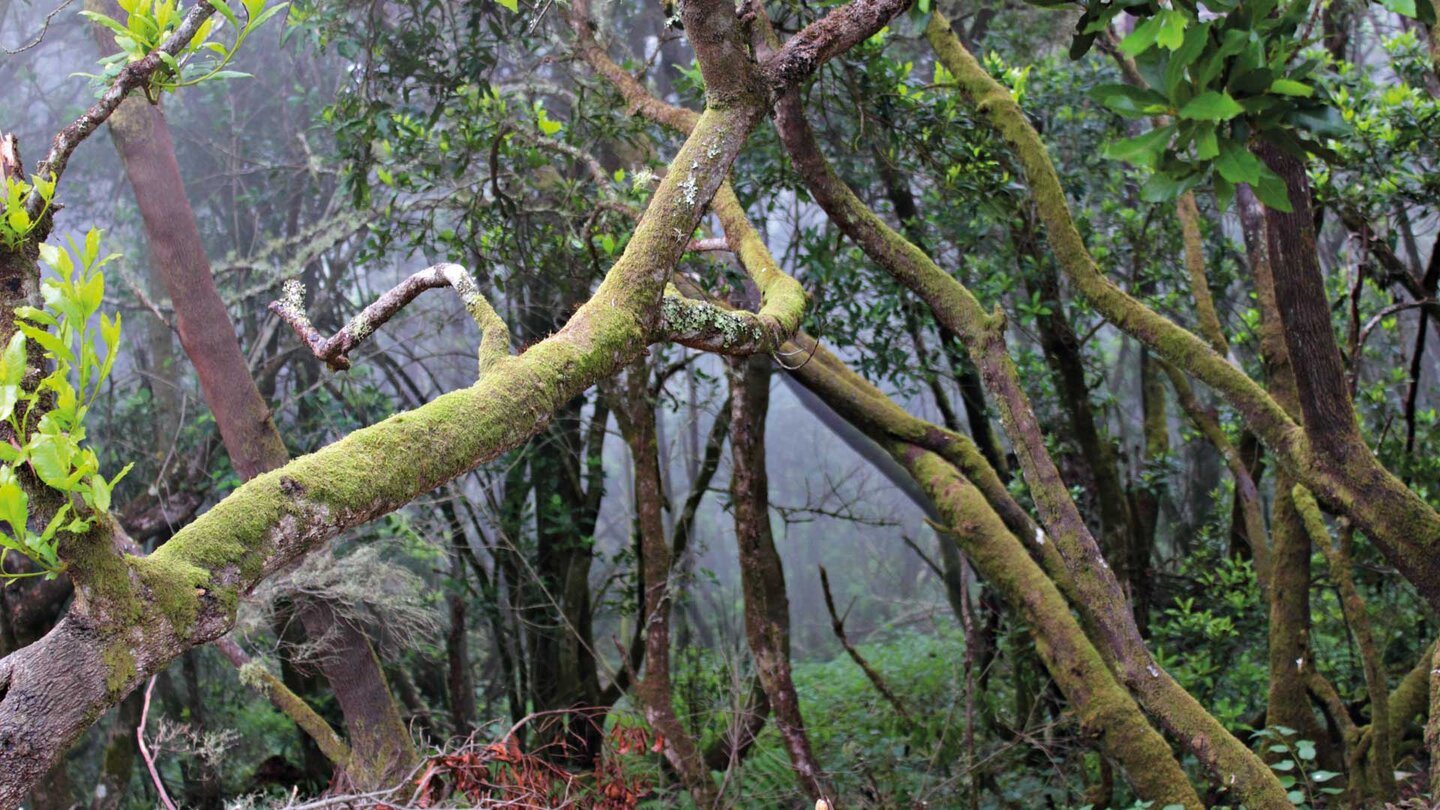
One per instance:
(653, 691)
(382, 753)
(762, 576)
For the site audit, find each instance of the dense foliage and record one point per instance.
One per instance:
(492, 639)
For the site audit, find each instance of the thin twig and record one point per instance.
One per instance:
(38, 38)
(838, 625)
(1382, 315)
(145, 750)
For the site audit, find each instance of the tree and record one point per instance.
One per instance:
(931, 211)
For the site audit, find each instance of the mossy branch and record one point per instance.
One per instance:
(1357, 617)
(1174, 343)
(1251, 508)
(1100, 597)
(257, 677)
(196, 578)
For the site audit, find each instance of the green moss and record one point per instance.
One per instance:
(101, 576)
(120, 666)
(175, 587)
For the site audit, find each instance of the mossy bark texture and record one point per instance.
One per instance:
(133, 615)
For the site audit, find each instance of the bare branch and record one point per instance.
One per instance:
(494, 335)
(145, 750)
(1385, 313)
(837, 624)
(39, 37)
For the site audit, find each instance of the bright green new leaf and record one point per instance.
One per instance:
(1172, 30)
(14, 506)
(12, 362)
(48, 342)
(1290, 87)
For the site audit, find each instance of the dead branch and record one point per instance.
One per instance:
(838, 625)
(334, 350)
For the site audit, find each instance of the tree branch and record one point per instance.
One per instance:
(131, 76)
(826, 38)
(335, 350)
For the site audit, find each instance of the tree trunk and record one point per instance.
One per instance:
(762, 577)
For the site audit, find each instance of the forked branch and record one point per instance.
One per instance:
(335, 350)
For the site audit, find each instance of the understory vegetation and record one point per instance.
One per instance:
(699, 404)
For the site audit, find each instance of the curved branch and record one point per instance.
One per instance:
(335, 350)
(702, 325)
(141, 612)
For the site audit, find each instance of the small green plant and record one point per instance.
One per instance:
(16, 224)
(1303, 784)
(148, 23)
(50, 415)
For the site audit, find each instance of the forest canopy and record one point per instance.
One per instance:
(598, 404)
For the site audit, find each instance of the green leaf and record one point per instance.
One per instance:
(121, 474)
(1272, 191)
(1142, 38)
(1405, 8)
(1196, 38)
(1290, 87)
(1172, 30)
(1211, 105)
(92, 294)
(1141, 150)
(39, 316)
(1129, 101)
(547, 125)
(1163, 186)
(12, 362)
(513, 5)
(1236, 164)
(48, 342)
(99, 493)
(51, 455)
(18, 219)
(225, 11)
(56, 259)
(264, 18)
(1207, 145)
(97, 17)
(91, 252)
(54, 524)
(14, 506)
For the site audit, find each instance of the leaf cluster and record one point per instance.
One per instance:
(50, 415)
